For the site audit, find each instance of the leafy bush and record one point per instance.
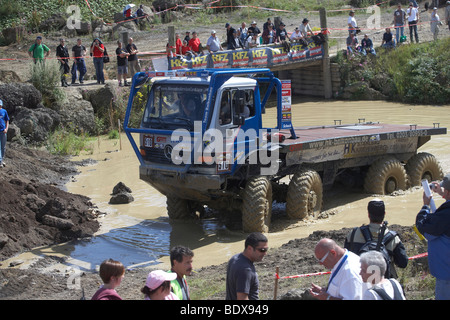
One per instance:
(46, 76)
(66, 142)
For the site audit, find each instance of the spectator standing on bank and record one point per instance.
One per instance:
(282, 34)
(38, 51)
(4, 124)
(133, 61)
(122, 64)
(413, 19)
(78, 54)
(269, 35)
(181, 259)
(399, 22)
(157, 286)
(435, 23)
(242, 280)
(352, 43)
(267, 24)
(213, 44)
(236, 43)
(351, 23)
(296, 35)
(373, 268)
(178, 44)
(252, 41)
(187, 36)
(435, 226)
(97, 52)
(356, 238)
(112, 273)
(63, 56)
(345, 282)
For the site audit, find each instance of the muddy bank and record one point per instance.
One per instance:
(34, 209)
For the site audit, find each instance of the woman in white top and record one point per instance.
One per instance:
(373, 268)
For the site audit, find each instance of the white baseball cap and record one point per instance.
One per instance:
(1, 102)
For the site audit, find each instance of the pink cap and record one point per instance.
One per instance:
(157, 277)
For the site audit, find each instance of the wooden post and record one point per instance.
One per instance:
(326, 69)
(275, 290)
(172, 39)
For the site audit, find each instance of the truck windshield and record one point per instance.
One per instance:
(172, 106)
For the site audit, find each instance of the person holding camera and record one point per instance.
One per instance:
(435, 226)
(97, 52)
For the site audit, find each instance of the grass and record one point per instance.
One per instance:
(66, 142)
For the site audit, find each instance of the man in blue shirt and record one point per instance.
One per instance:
(435, 226)
(4, 124)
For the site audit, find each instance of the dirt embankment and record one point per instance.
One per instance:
(34, 209)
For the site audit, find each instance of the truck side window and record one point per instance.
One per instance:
(225, 108)
(249, 108)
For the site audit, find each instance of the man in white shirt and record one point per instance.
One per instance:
(345, 282)
(413, 19)
(213, 43)
(305, 28)
(296, 35)
(351, 22)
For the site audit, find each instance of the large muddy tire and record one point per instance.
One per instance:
(257, 205)
(423, 166)
(385, 176)
(305, 195)
(177, 208)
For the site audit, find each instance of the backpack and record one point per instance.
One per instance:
(382, 293)
(378, 245)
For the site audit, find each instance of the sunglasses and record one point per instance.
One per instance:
(262, 249)
(324, 257)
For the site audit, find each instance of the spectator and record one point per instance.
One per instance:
(242, 280)
(253, 29)
(181, 259)
(213, 43)
(185, 48)
(447, 14)
(399, 22)
(352, 43)
(305, 28)
(187, 36)
(112, 273)
(4, 124)
(122, 64)
(157, 286)
(62, 54)
(367, 46)
(267, 24)
(38, 50)
(435, 226)
(178, 44)
(252, 41)
(413, 19)
(269, 35)
(230, 38)
(236, 43)
(356, 239)
(78, 54)
(133, 61)
(435, 23)
(243, 32)
(373, 268)
(194, 43)
(97, 52)
(388, 39)
(296, 35)
(345, 282)
(351, 22)
(282, 34)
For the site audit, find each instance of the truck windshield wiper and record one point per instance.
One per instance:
(185, 119)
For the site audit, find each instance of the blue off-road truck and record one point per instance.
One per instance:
(200, 141)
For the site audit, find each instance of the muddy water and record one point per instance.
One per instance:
(140, 234)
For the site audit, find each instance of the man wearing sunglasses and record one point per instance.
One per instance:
(242, 280)
(345, 282)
